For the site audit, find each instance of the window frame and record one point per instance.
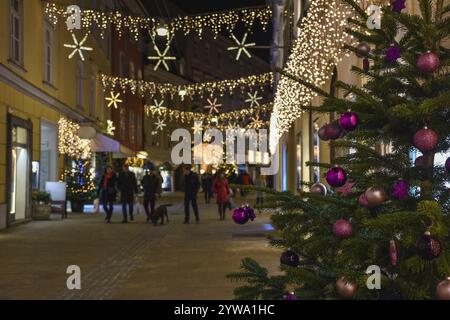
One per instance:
(19, 15)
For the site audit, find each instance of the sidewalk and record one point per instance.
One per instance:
(133, 261)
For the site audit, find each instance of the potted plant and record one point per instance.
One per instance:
(41, 205)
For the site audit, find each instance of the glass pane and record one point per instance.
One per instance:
(12, 198)
(22, 135)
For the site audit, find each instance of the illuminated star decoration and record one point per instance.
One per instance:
(110, 129)
(398, 5)
(158, 107)
(197, 127)
(253, 99)
(113, 100)
(207, 137)
(162, 58)
(241, 46)
(78, 47)
(160, 124)
(256, 123)
(213, 106)
(346, 189)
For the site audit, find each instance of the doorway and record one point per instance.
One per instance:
(19, 168)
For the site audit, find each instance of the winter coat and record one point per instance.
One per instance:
(151, 185)
(128, 186)
(110, 192)
(222, 190)
(191, 185)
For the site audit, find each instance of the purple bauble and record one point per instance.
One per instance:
(363, 50)
(240, 216)
(425, 140)
(366, 65)
(290, 258)
(342, 229)
(428, 62)
(363, 202)
(323, 133)
(420, 162)
(291, 296)
(336, 177)
(349, 121)
(398, 5)
(447, 165)
(400, 189)
(333, 132)
(250, 212)
(393, 53)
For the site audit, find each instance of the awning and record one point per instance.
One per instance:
(103, 143)
(124, 152)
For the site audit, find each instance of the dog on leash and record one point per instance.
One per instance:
(159, 214)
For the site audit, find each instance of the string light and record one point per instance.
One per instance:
(319, 47)
(78, 47)
(110, 127)
(69, 143)
(216, 88)
(213, 106)
(113, 100)
(241, 46)
(253, 99)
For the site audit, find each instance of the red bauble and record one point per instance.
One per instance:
(425, 140)
(342, 229)
(393, 253)
(428, 247)
(443, 290)
(428, 62)
(345, 289)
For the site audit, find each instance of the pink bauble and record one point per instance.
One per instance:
(425, 140)
(420, 162)
(342, 229)
(333, 132)
(428, 62)
(363, 202)
(443, 290)
(323, 133)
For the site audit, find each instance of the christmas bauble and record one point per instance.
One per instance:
(349, 121)
(428, 247)
(333, 132)
(250, 212)
(428, 62)
(342, 229)
(363, 201)
(319, 188)
(289, 258)
(375, 196)
(393, 53)
(366, 65)
(398, 5)
(363, 50)
(400, 189)
(447, 165)
(345, 289)
(425, 140)
(323, 133)
(291, 296)
(393, 253)
(240, 216)
(336, 177)
(443, 290)
(420, 162)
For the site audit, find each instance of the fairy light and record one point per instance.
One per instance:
(317, 50)
(212, 88)
(69, 143)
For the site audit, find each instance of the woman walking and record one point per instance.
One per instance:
(222, 191)
(107, 192)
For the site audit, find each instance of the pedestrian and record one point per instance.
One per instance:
(207, 186)
(107, 192)
(222, 191)
(260, 182)
(128, 189)
(191, 188)
(245, 180)
(152, 186)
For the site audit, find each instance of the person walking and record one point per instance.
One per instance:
(245, 180)
(128, 189)
(191, 188)
(260, 182)
(152, 186)
(207, 186)
(107, 192)
(222, 191)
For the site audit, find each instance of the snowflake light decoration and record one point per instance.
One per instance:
(256, 123)
(157, 107)
(162, 58)
(197, 128)
(160, 124)
(114, 100)
(78, 47)
(213, 106)
(110, 128)
(253, 99)
(241, 46)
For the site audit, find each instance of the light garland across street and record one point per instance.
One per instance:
(214, 88)
(69, 143)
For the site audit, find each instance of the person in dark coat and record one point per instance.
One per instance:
(128, 189)
(207, 186)
(152, 186)
(107, 192)
(191, 188)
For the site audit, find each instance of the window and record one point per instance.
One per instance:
(123, 124)
(79, 80)
(16, 31)
(132, 127)
(92, 94)
(139, 74)
(132, 71)
(48, 52)
(123, 66)
(139, 130)
(104, 111)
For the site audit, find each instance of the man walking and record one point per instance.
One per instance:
(152, 187)
(191, 188)
(128, 189)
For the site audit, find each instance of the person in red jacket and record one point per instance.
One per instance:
(222, 191)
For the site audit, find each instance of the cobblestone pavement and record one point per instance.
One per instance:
(133, 261)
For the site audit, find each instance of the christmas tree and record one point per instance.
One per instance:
(380, 209)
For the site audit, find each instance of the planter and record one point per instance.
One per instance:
(41, 211)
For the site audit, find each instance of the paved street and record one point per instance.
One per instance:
(134, 261)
